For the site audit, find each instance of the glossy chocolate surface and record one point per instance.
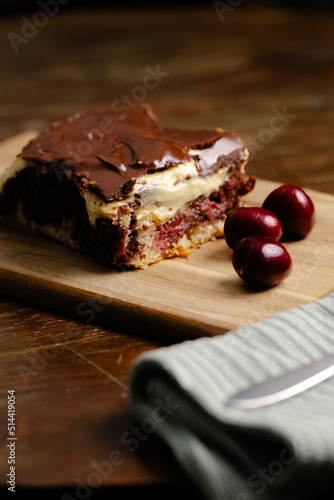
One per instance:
(109, 151)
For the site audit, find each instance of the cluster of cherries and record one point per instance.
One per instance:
(253, 233)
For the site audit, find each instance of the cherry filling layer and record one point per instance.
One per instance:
(203, 211)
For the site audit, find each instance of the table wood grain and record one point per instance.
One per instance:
(265, 73)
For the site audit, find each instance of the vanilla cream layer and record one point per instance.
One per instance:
(161, 194)
(17, 165)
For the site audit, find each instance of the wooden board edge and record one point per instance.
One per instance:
(82, 305)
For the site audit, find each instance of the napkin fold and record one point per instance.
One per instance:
(286, 450)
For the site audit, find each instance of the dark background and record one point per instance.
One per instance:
(281, 54)
(12, 6)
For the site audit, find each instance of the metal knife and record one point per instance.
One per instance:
(284, 386)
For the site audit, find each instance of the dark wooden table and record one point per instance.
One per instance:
(265, 73)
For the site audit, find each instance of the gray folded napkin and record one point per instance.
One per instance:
(285, 450)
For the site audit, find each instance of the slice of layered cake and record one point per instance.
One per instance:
(124, 189)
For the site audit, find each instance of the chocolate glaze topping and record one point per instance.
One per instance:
(108, 152)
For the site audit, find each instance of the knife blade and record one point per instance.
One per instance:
(284, 386)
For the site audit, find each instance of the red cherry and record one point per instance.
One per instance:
(251, 221)
(294, 208)
(261, 261)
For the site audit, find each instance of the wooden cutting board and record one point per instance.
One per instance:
(175, 299)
